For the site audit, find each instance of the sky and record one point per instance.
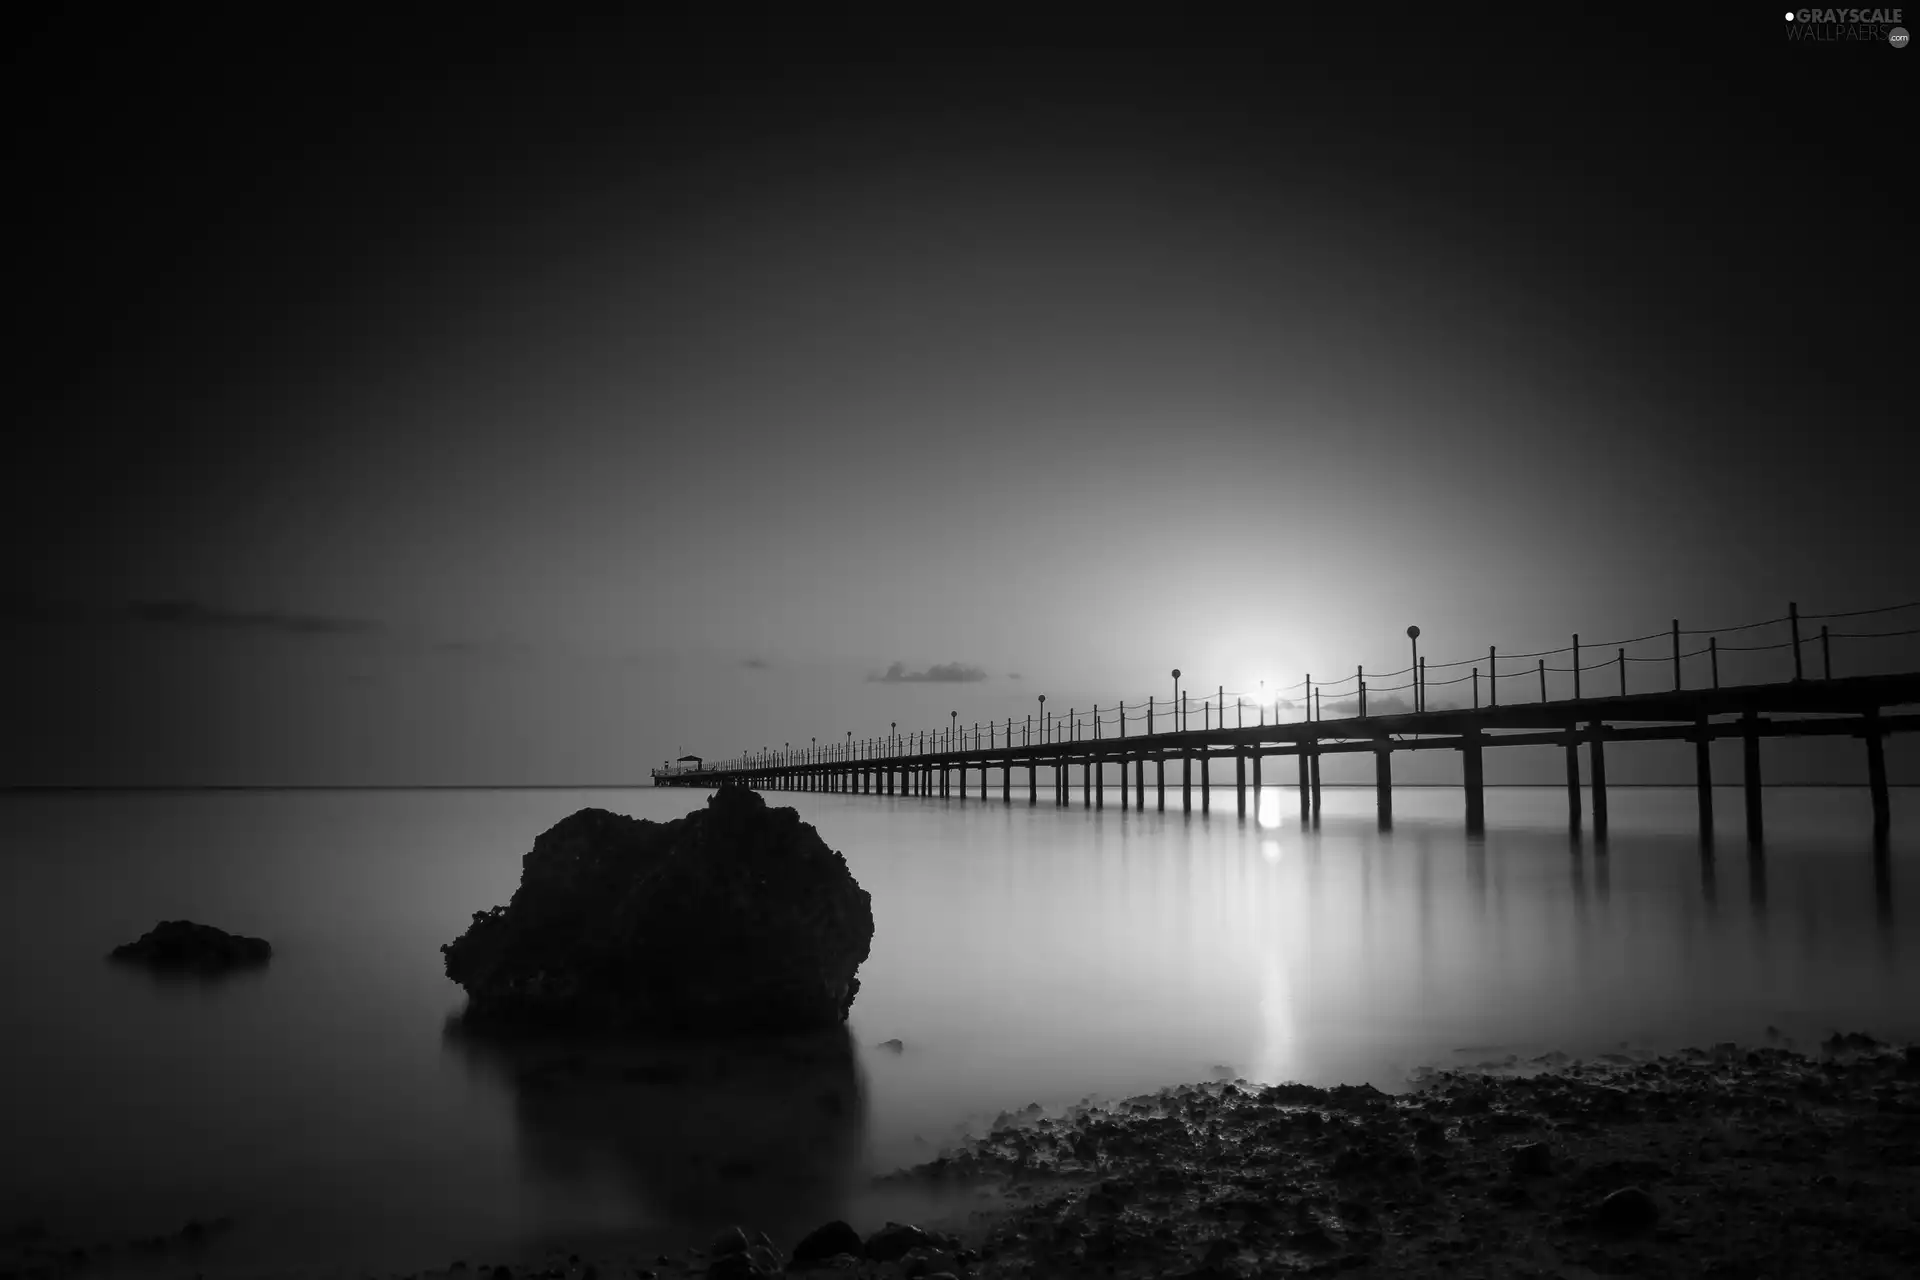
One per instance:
(510, 406)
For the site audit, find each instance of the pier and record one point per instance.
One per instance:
(1047, 753)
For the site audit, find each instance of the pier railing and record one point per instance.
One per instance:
(1478, 681)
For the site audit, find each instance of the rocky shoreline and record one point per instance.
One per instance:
(1730, 1162)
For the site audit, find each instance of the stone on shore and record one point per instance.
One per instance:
(826, 1241)
(182, 944)
(735, 919)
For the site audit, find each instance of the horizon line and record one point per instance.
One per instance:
(6, 788)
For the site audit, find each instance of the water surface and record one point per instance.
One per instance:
(1020, 955)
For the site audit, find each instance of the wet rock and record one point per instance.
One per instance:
(1530, 1160)
(747, 1264)
(182, 944)
(920, 1262)
(892, 1046)
(1852, 1041)
(1627, 1210)
(824, 1242)
(735, 918)
(894, 1241)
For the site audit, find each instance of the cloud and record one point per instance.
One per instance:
(1015, 675)
(754, 664)
(506, 650)
(938, 673)
(195, 615)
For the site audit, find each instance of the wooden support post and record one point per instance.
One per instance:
(1256, 783)
(1006, 778)
(1473, 774)
(1597, 749)
(1623, 673)
(1313, 772)
(1576, 666)
(1877, 783)
(1140, 783)
(1306, 787)
(1826, 655)
(1033, 782)
(1750, 757)
(1383, 782)
(1676, 655)
(1088, 791)
(1123, 782)
(1793, 618)
(1493, 678)
(1713, 658)
(1160, 769)
(1703, 778)
(1240, 780)
(1186, 780)
(1206, 781)
(983, 779)
(1543, 681)
(1475, 686)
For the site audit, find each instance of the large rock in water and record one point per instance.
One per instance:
(737, 918)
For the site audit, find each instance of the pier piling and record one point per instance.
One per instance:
(1703, 780)
(1573, 779)
(1473, 773)
(1383, 782)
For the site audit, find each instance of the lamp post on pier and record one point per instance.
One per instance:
(1043, 717)
(1419, 697)
(1179, 720)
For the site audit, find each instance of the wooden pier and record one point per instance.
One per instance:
(1854, 708)
(950, 762)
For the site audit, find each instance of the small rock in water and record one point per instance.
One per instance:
(891, 1046)
(1626, 1210)
(182, 944)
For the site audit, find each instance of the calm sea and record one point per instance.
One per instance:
(1020, 955)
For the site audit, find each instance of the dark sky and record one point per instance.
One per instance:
(496, 405)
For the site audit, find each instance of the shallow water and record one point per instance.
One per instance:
(1021, 955)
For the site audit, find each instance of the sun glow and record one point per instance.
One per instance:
(1267, 808)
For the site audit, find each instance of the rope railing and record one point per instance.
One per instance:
(1178, 714)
